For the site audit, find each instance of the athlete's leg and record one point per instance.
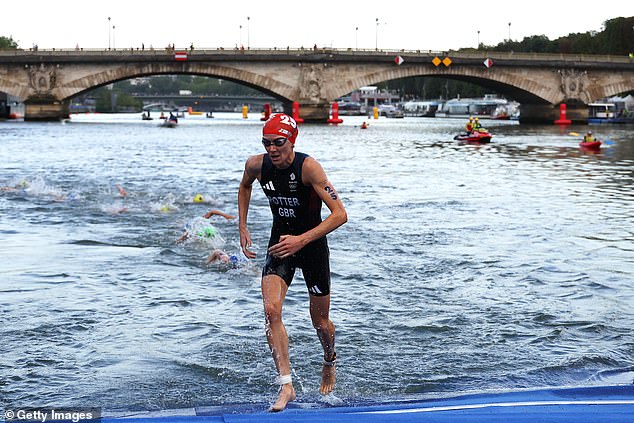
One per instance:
(320, 315)
(273, 293)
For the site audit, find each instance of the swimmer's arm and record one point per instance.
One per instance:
(251, 173)
(314, 175)
(183, 237)
(122, 192)
(218, 213)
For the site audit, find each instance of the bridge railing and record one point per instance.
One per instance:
(341, 52)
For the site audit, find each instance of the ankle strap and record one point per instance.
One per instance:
(283, 380)
(331, 362)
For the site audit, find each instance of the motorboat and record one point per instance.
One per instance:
(170, 122)
(481, 136)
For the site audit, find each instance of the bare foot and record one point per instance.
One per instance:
(287, 394)
(328, 378)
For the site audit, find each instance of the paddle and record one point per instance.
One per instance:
(574, 134)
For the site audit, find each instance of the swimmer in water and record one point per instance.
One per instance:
(122, 192)
(219, 256)
(204, 231)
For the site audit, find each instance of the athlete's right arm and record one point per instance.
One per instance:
(251, 173)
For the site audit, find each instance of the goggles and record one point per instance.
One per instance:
(278, 142)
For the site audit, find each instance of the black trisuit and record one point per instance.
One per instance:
(296, 209)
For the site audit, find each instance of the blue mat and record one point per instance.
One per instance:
(609, 404)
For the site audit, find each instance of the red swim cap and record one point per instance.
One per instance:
(282, 125)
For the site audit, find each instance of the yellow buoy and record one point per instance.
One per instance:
(245, 111)
(376, 112)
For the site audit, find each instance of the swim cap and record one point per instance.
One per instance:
(198, 198)
(282, 125)
(208, 232)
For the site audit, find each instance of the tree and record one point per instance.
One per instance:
(8, 43)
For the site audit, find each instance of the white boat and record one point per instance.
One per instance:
(391, 111)
(420, 108)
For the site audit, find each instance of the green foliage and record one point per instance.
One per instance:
(198, 85)
(615, 39)
(123, 101)
(8, 43)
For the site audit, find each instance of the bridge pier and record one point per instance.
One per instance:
(46, 110)
(548, 114)
(313, 113)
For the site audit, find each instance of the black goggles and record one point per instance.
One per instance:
(278, 142)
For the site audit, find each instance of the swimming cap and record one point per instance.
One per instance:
(282, 125)
(198, 198)
(208, 232)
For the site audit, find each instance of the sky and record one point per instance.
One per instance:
(402, 24)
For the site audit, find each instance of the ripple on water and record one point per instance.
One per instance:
(461, 268)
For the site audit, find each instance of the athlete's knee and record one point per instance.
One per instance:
(272, 311)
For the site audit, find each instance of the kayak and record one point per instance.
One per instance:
(475, 136)
(593, 144)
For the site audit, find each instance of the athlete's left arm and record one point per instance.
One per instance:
(313, 174)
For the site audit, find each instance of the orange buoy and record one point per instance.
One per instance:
(296, 113)
(335, 114)
(562, 116)
(266, 113)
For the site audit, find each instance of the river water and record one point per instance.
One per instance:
(462, 268)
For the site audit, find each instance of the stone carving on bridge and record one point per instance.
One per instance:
(43, 78)
(310, 83)
(573, 84)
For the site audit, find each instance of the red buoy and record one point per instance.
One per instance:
(335, 114)
(562, 116)
(295, 114)
(266, 114)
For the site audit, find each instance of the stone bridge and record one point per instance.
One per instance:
(47, 80)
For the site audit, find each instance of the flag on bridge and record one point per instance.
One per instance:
(398, 60)
(180, 55)
(488, 62)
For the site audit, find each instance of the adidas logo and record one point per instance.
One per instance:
(315, 290)
(269, 186)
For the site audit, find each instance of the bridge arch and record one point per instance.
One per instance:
(109, 76)
(523, 90)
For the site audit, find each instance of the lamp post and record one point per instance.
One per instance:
(376, 35)
(509, 32)
(114, 47)
(108, 32)
(240, 45)
(356, 38)
(478, 44)
(248, 32)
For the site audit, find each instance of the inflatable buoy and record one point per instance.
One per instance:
(198, 198)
